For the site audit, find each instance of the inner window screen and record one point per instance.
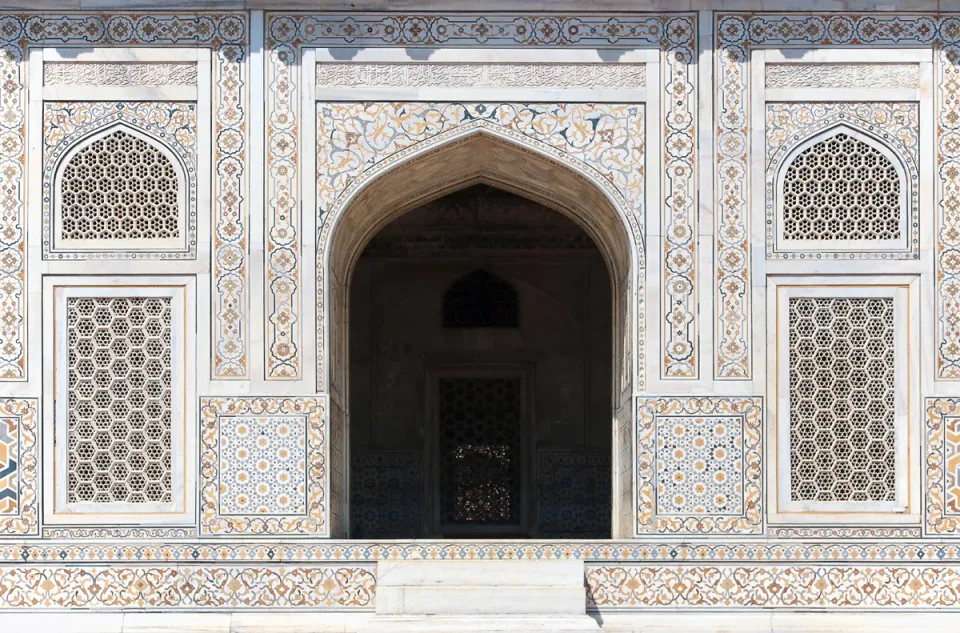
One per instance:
(480, 299)
(841, 188)
(842, 369)
(119, 402)
(119, 187)
(480, 450)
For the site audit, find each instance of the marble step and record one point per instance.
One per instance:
(484, 624)
(498, 588)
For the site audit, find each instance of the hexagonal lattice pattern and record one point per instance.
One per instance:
(841, 189)
(119, 187)
(480, 450)
(119, 399)
(842, 391)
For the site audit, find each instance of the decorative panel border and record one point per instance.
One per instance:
(214, 415)
(942, 466)
(744, 586)
(227, 35)
(189, 587)
(736, 35)
(865, 550)
(747, 413)
(897, 125)
(19, 474)
(288, 34)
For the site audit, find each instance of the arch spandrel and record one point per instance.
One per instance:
(597, 146)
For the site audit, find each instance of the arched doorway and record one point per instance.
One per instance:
(480, 374)
(473, 158)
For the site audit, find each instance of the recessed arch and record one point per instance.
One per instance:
(150, 213)
(484, 156)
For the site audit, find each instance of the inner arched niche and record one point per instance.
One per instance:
(496, 419)
(481, 158)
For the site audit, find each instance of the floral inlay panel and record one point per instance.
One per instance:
(189, 587)
(245, 488)
(942, 465)
(19, 453)
(685, 443)
(741, 585)
(895, 124)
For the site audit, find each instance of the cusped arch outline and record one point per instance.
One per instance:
(473, 154)
(180, 158)
(619, 237)
(888, 145)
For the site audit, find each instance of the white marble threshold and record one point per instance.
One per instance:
(280, 622)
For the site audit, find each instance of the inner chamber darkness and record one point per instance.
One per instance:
(480, 375)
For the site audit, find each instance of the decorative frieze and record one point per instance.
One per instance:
(481, 75)
(188, 587)
(842, 75)
(119, 74)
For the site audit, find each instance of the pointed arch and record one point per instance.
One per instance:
(483, 154)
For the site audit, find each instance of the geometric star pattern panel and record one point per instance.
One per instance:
(951, 445)
(264, 465)
(842, 395)
(119, 400)
(699, 465)
(18, 467)
(574, 491)
(386, 494)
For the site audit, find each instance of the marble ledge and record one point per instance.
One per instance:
(252, 622)
(475, 6)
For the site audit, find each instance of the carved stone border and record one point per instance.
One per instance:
(227, 35)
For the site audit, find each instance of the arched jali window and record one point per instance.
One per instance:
(120, 189)
(480, 299)
(843, 190)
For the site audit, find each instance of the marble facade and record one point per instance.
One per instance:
(288, 136)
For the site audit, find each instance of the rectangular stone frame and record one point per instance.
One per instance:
(227, 36)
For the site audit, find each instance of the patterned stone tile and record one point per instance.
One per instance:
(264, 466)
(699, 465)
(574, 493)
(386, 494)
(19, 452)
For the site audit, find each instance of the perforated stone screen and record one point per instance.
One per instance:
(841, 188)
(119, 410)
(842, 399)
(119, 187)
(480, 450)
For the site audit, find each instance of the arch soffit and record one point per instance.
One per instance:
(481, 155)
